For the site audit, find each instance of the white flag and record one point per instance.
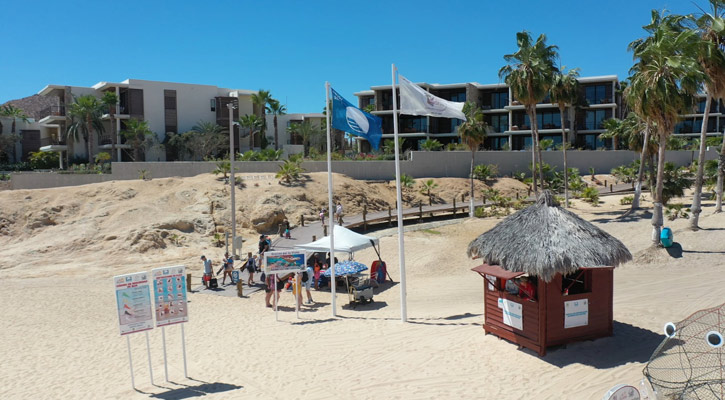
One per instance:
(416, 101)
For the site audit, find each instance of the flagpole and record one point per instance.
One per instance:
(333, 281)
(401, 246)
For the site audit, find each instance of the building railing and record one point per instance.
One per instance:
(50, 141)
(55, 111)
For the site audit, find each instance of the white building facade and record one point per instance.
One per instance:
(167, 107)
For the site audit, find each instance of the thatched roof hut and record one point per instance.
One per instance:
(544, 239)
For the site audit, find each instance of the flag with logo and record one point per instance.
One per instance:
(351, 119)
(416, 101)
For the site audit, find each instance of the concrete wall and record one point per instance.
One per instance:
(423, 164)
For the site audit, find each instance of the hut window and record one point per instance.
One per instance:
(577, 282)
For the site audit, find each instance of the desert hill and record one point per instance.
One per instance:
(177, 218)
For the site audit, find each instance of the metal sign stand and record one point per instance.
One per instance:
(298, 282)
(148, 350)
(274, 297)
(130, 361)
(166, 366)
(183, 350)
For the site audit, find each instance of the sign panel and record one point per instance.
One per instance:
(491, 280)
(576, 313)
(133, 301)
(235, 276)
(513, 314)
(282, 262)
(170, 295)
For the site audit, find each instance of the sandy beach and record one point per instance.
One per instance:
(60, 335)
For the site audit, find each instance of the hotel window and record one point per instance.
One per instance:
(413, 124)
(597, 94)
(595, 118)
(697, 125)
(499, 100)
(455, 123)
(459, 97)
(497, 143)
(548, 119)
(212, 103)
(499, 123)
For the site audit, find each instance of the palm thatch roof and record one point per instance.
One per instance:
(544, 239)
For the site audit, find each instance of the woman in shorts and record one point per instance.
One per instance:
(251, 266)
(228, 268)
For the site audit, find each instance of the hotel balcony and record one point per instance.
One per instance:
(104, 143)
(53, 144)
(52, 114)
(122, 113)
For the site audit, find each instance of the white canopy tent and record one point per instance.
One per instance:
(345, 241)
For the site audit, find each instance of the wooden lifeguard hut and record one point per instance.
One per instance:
(570, 264)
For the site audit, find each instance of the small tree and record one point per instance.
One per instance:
(406, 181)
(426, 188)
(289, 170)
(138, 136)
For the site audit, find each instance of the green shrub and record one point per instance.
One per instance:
(590, 194)
(674, 211)
(485, 172)
(44, 159)
(626, 200)
(676, 180)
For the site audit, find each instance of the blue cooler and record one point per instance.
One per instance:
(666, 237)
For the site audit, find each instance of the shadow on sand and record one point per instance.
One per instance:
(629, 344)
(187, 391)
(618, 216)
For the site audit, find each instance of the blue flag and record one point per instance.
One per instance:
(351, 119)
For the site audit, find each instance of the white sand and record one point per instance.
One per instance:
(60, 337)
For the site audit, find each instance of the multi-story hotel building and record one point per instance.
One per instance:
(510, 126)
(166, 106)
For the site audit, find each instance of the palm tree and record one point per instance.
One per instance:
(85, 115)
(664, 82)
(369, 108)
(529, 75)
(15, 113)
(472, 132)
(254, 124)
(426, 187)
(712, 60)
(137, 134)
(275, 108)
(110, 100)
(308, 132)
(565, 90)
(260, 99)
(634, 132)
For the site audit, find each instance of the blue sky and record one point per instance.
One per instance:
(292, 47)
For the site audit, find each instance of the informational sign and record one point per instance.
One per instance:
(491, 280)
(134, 303)
(282, 262)
(170, 295)
(576, 313)
(235, 276)
(513, 314)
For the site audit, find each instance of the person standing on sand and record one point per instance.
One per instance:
(207, 271)
(251, 266)
(263, 245)
(309, 272)
(228, 268)
(338, 213)
(322, 215)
